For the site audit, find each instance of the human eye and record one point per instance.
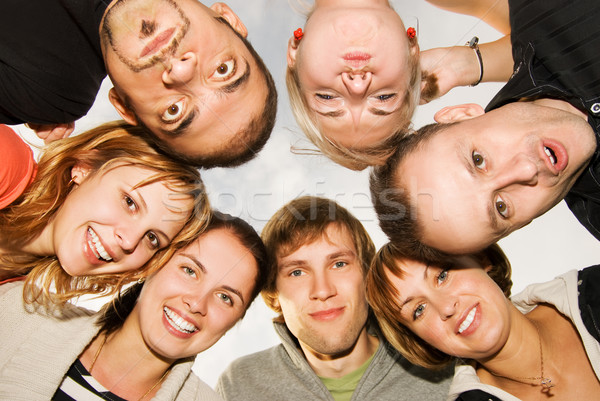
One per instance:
(442, 276)
(478, 160)
(296, 273)
(129, 203)
(501, 207)
(324, 96)
(188, 271)
(385, 97)
(418, 312)
(153, 239)
(225, 298)
(225, 70)
(339, 264)
(174, 112)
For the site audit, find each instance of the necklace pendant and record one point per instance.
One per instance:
(547, 383)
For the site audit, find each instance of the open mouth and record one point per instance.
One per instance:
(551, 155)
(468, 320)
(96, 246)
(179, 323)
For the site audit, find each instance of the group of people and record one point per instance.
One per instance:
(121, 210)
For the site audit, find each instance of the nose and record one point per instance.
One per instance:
(196, 302)
(129, 236)
(356, 82)
(322, 288)
(180, 70)
(447, 306)
(521, 169)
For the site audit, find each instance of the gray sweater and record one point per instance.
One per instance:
(37, 349)
(282, 373)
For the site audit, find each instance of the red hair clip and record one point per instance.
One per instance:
(411, 33)
(298, 34)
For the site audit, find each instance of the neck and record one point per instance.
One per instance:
(340, 364)
(561, 105)
(125, 365)
(520, 361)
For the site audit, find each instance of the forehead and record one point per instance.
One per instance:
(335, 235)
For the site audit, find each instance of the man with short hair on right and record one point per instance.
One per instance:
(331, 346)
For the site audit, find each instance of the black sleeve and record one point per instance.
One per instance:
(477, 395)
(588, 286)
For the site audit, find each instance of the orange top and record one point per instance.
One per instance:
(17, 166)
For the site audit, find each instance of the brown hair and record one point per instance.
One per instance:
(303, 221)
(246, 143)
(392, 201)
(100, 149)
(356, 158)
(382, 296)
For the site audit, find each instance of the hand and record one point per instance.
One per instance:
(52, 132)
(444, 68)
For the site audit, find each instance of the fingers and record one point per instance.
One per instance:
(51, 132)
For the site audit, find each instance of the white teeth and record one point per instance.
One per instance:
(178, 322)
(468, 320)
(97, 247)
(550, 155)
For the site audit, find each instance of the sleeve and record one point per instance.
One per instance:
(588, 286)
(17, 166)
(477, 395)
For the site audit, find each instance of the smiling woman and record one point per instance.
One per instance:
(101, 205)
(542, 344)
(143, 344)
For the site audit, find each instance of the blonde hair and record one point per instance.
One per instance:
(99, 149)
(356, 158)
(303, 221)
(382, 297)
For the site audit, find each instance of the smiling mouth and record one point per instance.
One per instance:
(468, 320)
(96, 246)
(179, 323)
(551, 155)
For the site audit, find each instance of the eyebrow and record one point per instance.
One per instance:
(203, 269)
(235, 85)
(183, 126)
(372, 110)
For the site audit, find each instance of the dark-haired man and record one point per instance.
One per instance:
(183, 70)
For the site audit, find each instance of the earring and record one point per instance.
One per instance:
(298, 34)
(141, 280)
(411, 32)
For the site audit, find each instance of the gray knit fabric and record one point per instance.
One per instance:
(281, 373)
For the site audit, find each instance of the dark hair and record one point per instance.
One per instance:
(392, 201)
(382, 296)
(114, 314)
(246, 143)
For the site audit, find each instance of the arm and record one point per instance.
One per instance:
(456, 66)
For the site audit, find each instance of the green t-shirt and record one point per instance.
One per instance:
(342, 389)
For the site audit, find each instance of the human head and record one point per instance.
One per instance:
(353, 80)
(208, 278)
(465, 184)
(319, 254)
(391, 263)
(188, 75)
(105, 149)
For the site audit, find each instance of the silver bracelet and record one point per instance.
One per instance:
(473, 44)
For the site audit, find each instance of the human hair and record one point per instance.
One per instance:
(114, 313)
(356, 158)
(382, 297)
(99, 149)
(391, 197)
(247, 142)
(303, 221)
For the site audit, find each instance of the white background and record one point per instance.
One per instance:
(552, 244)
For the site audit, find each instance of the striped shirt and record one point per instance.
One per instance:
(79, 385)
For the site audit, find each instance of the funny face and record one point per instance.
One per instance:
(477, 181)
(107, 225)
(178, 68)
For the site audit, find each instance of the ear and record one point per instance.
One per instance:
(291, 52)
(79, 172)
(236, 23)
(125, 112)
(457, 113)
